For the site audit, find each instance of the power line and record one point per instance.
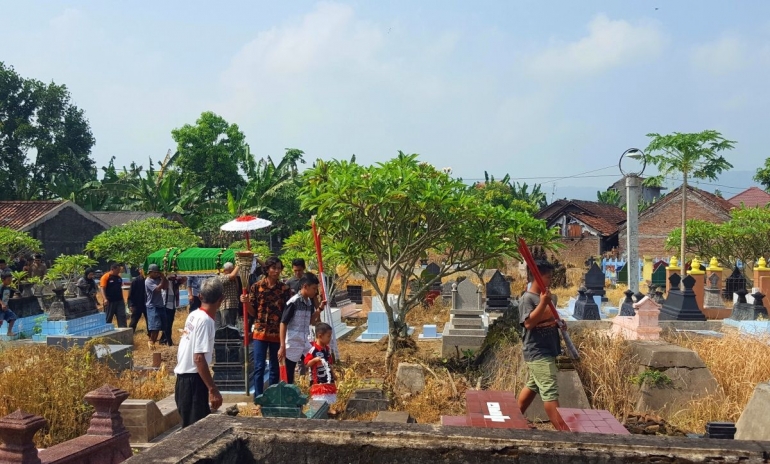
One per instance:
(550, 179)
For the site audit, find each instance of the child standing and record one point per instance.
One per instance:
(300, 313)
(319, 363)
(6, 292)
(541, 345)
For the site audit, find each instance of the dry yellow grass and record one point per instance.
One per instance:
(52, 382)
(738, 364)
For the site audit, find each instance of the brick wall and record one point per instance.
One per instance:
(577, 250)
(655, 226)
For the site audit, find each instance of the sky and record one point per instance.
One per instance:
(548, 92)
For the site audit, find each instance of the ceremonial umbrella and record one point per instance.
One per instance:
(244, 259)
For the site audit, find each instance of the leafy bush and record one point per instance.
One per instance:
(13, 242)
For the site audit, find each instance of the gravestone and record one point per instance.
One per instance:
(713, 295)
(498, 293)
(638, 296)
(627, 308)
(67, 309)
(356, 293)
(659, 274)
(466, 296)
(594, 281)
(466, 329)
(446, 292)
(580, 302)
(229, 359)
(623, 274)
(376, 322)
(341, 299)
(681, 305)
(430, 272)
(736, 281)
(589, 310)
(25, 306)
(743, 311)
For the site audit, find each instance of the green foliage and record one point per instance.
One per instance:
(13, 242)
(745, 237)
(133, 242)
(763, 175)
(18, 277)
(652, 377)
(69, 267)
(513, 195)
(211, 153)
(695, 155)
(40, 118)
(609, 197)
(383, 218)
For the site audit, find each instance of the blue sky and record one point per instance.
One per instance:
(532, 89)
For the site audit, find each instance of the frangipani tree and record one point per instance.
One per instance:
(691, 155)
(383, 218)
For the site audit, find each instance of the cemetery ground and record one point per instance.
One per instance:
(52, 382)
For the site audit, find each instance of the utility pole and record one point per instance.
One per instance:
(633, 190)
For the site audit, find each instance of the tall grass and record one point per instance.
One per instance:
(52, 382)
(738, 365)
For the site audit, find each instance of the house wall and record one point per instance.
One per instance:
(577, 250)
(66, 233)
(655, 226)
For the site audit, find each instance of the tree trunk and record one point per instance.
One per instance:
(392, 337)
(684, 223)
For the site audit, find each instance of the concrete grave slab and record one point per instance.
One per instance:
(754, 423)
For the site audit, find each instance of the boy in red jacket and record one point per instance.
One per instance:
(319, 362)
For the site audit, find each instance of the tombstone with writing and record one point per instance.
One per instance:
(713, 294)
(681, 305)
(627, 308)
(743, 311)
(498, 293)
(589, 310)
(594, 281)
(466, 329)
(735, 282)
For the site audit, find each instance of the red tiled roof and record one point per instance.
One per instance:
(600, 224)
(751, 198)
(611, 214)
(17, 214)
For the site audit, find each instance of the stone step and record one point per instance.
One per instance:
(468, 332)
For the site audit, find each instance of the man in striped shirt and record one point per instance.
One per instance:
(300, 313)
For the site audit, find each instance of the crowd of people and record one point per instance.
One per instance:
(280, 316)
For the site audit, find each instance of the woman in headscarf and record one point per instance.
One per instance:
(87, 284)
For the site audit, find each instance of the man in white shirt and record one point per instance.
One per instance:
(196, 393)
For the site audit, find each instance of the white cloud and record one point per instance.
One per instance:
(725, 55)
(608, 44)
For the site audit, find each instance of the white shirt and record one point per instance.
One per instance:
(198, 337)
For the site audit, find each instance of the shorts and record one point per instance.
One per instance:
(156, 318)
(542, 378)
(7, 315)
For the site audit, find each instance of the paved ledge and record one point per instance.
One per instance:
(225, 439)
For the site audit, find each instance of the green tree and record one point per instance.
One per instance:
(509, 194)
(609, 197)
(763, 175)
(133, 242)
(212, 153)
(385, 217)
(40, 118)
(695, 155)
(13, 242)
(745, 237)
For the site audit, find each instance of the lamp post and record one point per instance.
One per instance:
(633, 186)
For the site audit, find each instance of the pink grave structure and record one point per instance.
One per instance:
(642, 326)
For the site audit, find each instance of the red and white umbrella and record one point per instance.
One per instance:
(246, 224)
